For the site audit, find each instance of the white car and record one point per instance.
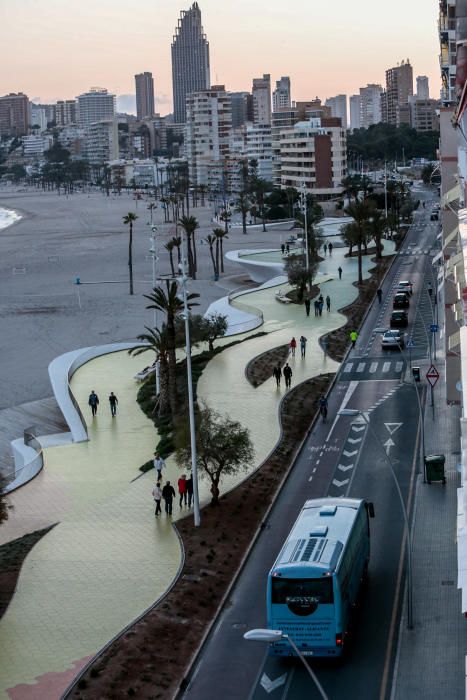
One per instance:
(405, 286)
(393, 338)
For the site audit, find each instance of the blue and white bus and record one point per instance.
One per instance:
(315, 580)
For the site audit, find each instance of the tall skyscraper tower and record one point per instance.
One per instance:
(281, 95)
(144, 95)
(423, 89)
(399, 87)
(262, 99)
(190, 60)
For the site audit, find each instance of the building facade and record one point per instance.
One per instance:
(14, 114)
(423, 87)
(355, 108)
(145, 105)
(102, 142)
(35, 145)
(338, 105)
(95, 106)
(66, 112)
(38, 117)
(399, 87)
(281, 97)
(190, 60)
(370, 105)
(261, 92)
(242, 108)
(447, 55)
(424, 114)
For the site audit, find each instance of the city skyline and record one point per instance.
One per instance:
(258, 45)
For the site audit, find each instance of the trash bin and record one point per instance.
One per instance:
(434, 468)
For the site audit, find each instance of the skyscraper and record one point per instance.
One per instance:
(262, 99)
(94, 106)
(399, 87)
(370, 105)
(190, 60)
(423, 90)
(144, 95)
(14, 114)
(281, 95)
(338, 105)
(355, 109)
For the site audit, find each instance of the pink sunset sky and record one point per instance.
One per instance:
(56, 49)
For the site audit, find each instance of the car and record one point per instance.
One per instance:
(392, 339)
(401, 301)
(405, 286)
(399, 319)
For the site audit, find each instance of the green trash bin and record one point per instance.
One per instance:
(434, 468)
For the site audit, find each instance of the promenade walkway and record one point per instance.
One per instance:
(108, 559)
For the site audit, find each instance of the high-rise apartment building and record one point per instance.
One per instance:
(66, 112)
(145, 107)
(338, 105)
(261, 92)
(38, 117)
(355, 108)
(95, 106)
(448, 49)
(190, 60)
(399, 87)
(423, 88)
(242, 108)
(424, 114)
(102, 142)
(14, 114)
(370, 105)
(281, 96)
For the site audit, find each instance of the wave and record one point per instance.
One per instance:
(8, 217)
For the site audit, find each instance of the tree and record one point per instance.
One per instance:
(155, 341)
(189, 225)
(223, 448)
(225, 216)
(377, 228)
(360, 212)
(243, 207)
(298, 276)
(220, 234)
(213, 327)
(129, 220)
(211, 241)
(4, 505)
(177, 241)
(169, 246)
(171, 305)
(427, 173)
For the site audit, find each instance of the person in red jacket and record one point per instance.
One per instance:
(182, 490)
(293, 346)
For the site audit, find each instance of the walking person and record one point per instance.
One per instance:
(325, 248)
(328, 303)
(379, 294)
(307, 306)
(168, 494)
(330, 248)
(287, 248)
(189, 489)
(323, 407)
(320, 307)
(302, 345)
(282, 249)
(287, 376)
(113, 401)
(293, 346)
(339, 270)
(182, 490)
(277, 374)
(93, 401)
(159, 465)
(353, 337)
(157, 495)
(316, 307)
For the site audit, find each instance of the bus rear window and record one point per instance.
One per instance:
(319, 590)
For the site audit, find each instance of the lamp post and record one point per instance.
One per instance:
(152, 252)
(269, 636)
(305, 219)
(355, 412)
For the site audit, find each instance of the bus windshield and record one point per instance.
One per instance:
(316, 590)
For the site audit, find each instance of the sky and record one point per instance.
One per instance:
(57, 49)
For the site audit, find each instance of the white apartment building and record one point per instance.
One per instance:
(102, 142)
(370, 105)
(259, 147)
(281, 98)
(207, 135)
(35, 145)
(38, 117)
(313, 153)
(355, 112)
(72, 137)
(66, 112)
(423, 87)
(261, 92)
(95, 106)
(338, 105)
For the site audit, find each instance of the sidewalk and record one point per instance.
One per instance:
(430, 659)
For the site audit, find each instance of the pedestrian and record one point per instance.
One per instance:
(328, 303)
(93, 401)
(282, 249)
(316, 307)
(168, 494)
(293, 345)
(189, 489)
(182, 492)
(339, 270)
(277, 374)
(113, 401)
(287, 248)
(302, 345)
(157, 495)
(307, 307)
(159, 465)
(287, 376)
(325, 248)
(379, 294)
(320, 307)
(430, 289)
(330, 248)
(321, 299)
(353, 337)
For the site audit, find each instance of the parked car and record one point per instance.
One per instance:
(399, 319)
(405, 286)
(401, 301)
(393, 339)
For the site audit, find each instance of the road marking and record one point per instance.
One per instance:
(358, 428)
(349, 454)
(361, 366)
(314, 468)
(388, 444)
(399, 366)
(392, 427)
(354, 441)
(348, 367)
(270, 685)
(339, 484)
(386, 366)
(345, 467)
(373, 367)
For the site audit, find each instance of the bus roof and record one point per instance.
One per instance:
(319, 534)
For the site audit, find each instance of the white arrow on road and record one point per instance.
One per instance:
(392, 427)
(349, 454)
(354, 441)
(344, 467)
(270, 685)
(340, 483)
(388, 444)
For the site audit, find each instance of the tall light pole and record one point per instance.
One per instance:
(305, 219)
(153, 253)
(385, 191)
(408, 532)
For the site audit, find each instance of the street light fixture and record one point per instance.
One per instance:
(305, 218)
(353, 413)
(153, 254)
(269, 636)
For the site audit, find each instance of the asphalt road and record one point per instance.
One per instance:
(340, 457)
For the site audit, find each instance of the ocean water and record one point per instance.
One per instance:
(8, 217)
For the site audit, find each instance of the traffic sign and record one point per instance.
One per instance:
(432, 375)
(410, 343)
(433, 328)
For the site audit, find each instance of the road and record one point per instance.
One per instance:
(342, 457)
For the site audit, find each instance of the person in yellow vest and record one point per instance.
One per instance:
(353, 337)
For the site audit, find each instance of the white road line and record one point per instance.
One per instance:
(345, 467)
(349, 454)
(386, 366)
(339, 484)
(399, 366)
(348, 367)
(373, 367)
(361, 366)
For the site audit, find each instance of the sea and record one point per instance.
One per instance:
(8, 217)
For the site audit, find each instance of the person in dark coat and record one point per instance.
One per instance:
(307, 306)
(330, 248)
(93, 401)
(287, 375)
(277, 374)
(339, 270)
(189, 489)
(168, 494)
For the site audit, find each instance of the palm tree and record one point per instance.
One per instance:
(155, 340)
(225, 216)
(151, 207)
(211, 241)
(243, 207)
(177, 241)
(378, 227)
(220, 234)
(189, 224)
(129, 220)
(171, 305)
(169, 246)
(360, 213)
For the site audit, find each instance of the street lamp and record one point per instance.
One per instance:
(269, 636)
(153, 254)
(305, 217)
(355, 412)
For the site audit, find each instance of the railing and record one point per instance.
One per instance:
(241, 306)
(28, 451)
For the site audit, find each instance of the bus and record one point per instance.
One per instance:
(315, 581)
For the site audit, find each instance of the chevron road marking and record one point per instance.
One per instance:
(354, 441)
(340, 483)
(345, 468)
(269, 685)
(358, 428)
(349, 454)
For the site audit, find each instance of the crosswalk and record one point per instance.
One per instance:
(372, 369)
(417, 251)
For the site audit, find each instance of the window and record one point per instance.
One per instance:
(316, 590)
